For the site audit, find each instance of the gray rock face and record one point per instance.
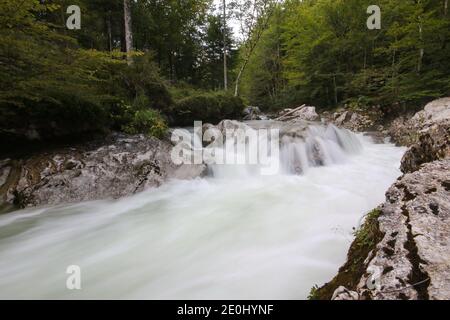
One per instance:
(253, 113)
(305, 113)
(343, 293)
(412, 261)
(120, 166)
(354, 121)
(433, 143)
(406, 131)
(434, 112)
(428, 134)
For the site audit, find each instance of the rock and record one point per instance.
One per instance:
(305, 113)
(353, 121)
(253, 113)
(406, 131)
(434, 112)
(400, 131)
(428, 134)
(120, 166)
(230, 126)
(342, 293)
(433, 143)
(416, 239)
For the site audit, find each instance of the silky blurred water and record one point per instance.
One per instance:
(222, 237)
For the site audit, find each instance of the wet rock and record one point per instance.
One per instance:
(120, 166)
(253, 113)
(342, 293)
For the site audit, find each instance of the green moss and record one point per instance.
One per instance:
(366, 239)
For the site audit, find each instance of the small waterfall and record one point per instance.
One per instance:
(316, 146)
(301, 146)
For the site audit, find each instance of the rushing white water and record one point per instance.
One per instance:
(234, 236)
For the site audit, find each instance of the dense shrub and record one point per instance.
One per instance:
(139, 118)
(142, 78)
(206, 107)
(148, 122)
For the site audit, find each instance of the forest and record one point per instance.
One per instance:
(143, 66)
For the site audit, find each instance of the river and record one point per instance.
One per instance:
(225, 236)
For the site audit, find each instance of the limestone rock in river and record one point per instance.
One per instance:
(414, 255)
(430, 131)
(433, 143)
(120, 166)
(253, 113)
(406, 131)
(353, 120)
(304, 113)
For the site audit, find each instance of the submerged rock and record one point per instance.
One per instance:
(120, 166)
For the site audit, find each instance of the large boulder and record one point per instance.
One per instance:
(253, 113)
(429, 135)
(304, 113)
(118, 166)
(354, 121)
(433, 143)
(406, 130)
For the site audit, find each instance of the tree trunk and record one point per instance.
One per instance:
(445, 7)
(128, 31)
(253, 41)
(225, 69)
(335, 90)
(421, 50)
(109, 27)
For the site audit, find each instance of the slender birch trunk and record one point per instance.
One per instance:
(225, 68)
(128, 31)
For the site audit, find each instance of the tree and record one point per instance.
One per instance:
(128, 30)
(225, 70)
(211, 58)
(254, 17)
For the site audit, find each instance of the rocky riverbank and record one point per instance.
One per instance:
(111, 167)
(402, 249)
